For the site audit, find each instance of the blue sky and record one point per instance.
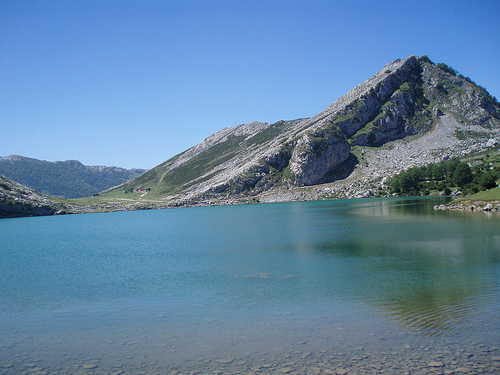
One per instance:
(133, 83)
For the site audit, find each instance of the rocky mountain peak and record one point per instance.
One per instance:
(389, 76)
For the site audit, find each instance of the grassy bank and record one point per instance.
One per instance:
(488, 195)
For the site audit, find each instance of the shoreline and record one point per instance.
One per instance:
(471, 205)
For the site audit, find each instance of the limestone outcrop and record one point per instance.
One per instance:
(316, 153)
(17, 200)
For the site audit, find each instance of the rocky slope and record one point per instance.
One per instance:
(411, 112)
(64, 179)
(17, 200)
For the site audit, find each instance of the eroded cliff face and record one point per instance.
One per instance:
(406, 97)
(316, 153)
(313, 148)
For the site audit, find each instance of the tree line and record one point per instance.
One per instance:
(445, 176)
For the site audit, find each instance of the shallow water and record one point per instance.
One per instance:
(357, 286)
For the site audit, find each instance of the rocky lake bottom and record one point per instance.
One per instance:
(446, 357)
(266, 341)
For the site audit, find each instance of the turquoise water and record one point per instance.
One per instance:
(237, 288)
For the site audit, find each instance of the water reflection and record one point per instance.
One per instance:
(430, 273)
(437, 313)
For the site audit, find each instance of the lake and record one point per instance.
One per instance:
(328, 287)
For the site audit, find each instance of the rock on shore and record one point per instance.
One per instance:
(467, 205)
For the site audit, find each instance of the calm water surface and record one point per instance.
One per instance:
(357, 286)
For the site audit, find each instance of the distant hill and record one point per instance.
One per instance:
(410, 113)
(64, 179)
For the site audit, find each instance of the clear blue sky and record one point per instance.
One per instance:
(133, 83)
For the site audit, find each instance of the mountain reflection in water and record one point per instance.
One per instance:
(430, 272)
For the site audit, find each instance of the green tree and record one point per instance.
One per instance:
(462, 174)
(488, 180)
(450, 165)
(408, 182)
(437, 171)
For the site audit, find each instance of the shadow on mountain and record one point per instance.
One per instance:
(343, 170)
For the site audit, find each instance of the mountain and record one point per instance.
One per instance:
(411, 112)
(64, 179)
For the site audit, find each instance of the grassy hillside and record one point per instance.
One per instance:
(405, 100)
(163, 181)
